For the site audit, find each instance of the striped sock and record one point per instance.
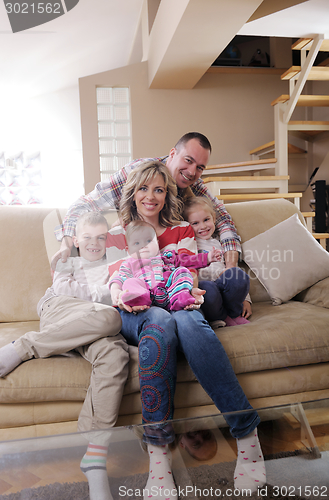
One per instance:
(179, 286)
(93, 465)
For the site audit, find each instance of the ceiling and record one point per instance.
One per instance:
(99, 35)
(308, 18)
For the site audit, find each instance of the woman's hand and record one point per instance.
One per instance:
(246, 309)
(125, 307)
(116, 293)
(197, 293)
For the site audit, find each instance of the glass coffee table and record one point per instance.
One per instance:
(294, 440)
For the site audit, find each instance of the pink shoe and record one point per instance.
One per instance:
(136, 294)
(182, 300)
(240, 320)
(229, 321)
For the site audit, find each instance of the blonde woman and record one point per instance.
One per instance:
(150, 194)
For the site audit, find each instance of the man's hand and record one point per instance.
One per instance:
(231, 258)
(63, 253)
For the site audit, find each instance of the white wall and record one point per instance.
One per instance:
(233, 110)
(50, 124)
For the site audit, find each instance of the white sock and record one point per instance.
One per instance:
(9, 359)
(250, 467)
(160, 483)
(93, 465)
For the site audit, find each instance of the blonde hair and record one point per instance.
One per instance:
(92, 219)
(196, 203)
(170, 215)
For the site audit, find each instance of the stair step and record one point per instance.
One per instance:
(260, 196)
(247, 178)
(227, 168)
(306, 43)
(317, 73)
(305, 100)
(310, 128)
(270, 146)
(216, 185)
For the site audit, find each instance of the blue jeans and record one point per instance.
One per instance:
(159, 334)
(224, 297)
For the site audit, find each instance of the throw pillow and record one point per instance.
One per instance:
(286, 259)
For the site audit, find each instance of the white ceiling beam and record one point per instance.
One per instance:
(188, 35)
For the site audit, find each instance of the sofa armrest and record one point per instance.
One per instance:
(317, 294)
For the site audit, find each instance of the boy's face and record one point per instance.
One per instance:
(143, 243)
(91, 241)
(202, 223)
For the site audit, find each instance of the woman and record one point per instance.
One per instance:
(150, 194)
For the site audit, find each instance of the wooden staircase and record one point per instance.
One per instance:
(227, 182)
(284, 105)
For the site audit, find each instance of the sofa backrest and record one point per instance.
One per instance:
(254, 217)
(25, 272)
(28, 243)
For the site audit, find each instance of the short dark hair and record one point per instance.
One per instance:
(204, 142)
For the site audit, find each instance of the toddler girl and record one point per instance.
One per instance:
(150, 278)
(227, 301)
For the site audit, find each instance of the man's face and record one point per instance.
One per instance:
(187, 163)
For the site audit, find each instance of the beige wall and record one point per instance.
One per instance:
(234, 111)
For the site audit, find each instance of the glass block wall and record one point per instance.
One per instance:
(114, 129)
(20, 179)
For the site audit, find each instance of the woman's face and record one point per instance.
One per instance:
(151, 197)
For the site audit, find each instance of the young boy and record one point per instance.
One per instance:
(75, 314)
(150, 278)
(226, 300)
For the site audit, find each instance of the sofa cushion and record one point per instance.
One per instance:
(25, 270)
(286, 259)
(290, 335)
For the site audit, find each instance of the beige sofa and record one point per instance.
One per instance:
(282, 356)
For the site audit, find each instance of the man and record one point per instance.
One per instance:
(186, 162)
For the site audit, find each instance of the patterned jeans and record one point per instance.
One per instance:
(159, 334)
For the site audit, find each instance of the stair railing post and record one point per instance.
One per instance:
(306, 68)
(281, 143)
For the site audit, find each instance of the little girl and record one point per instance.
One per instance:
(226, 301)
(150, 278)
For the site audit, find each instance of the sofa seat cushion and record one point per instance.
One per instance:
(291, 334)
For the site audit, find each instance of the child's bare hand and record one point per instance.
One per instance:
(215, 255)
(246, 309)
